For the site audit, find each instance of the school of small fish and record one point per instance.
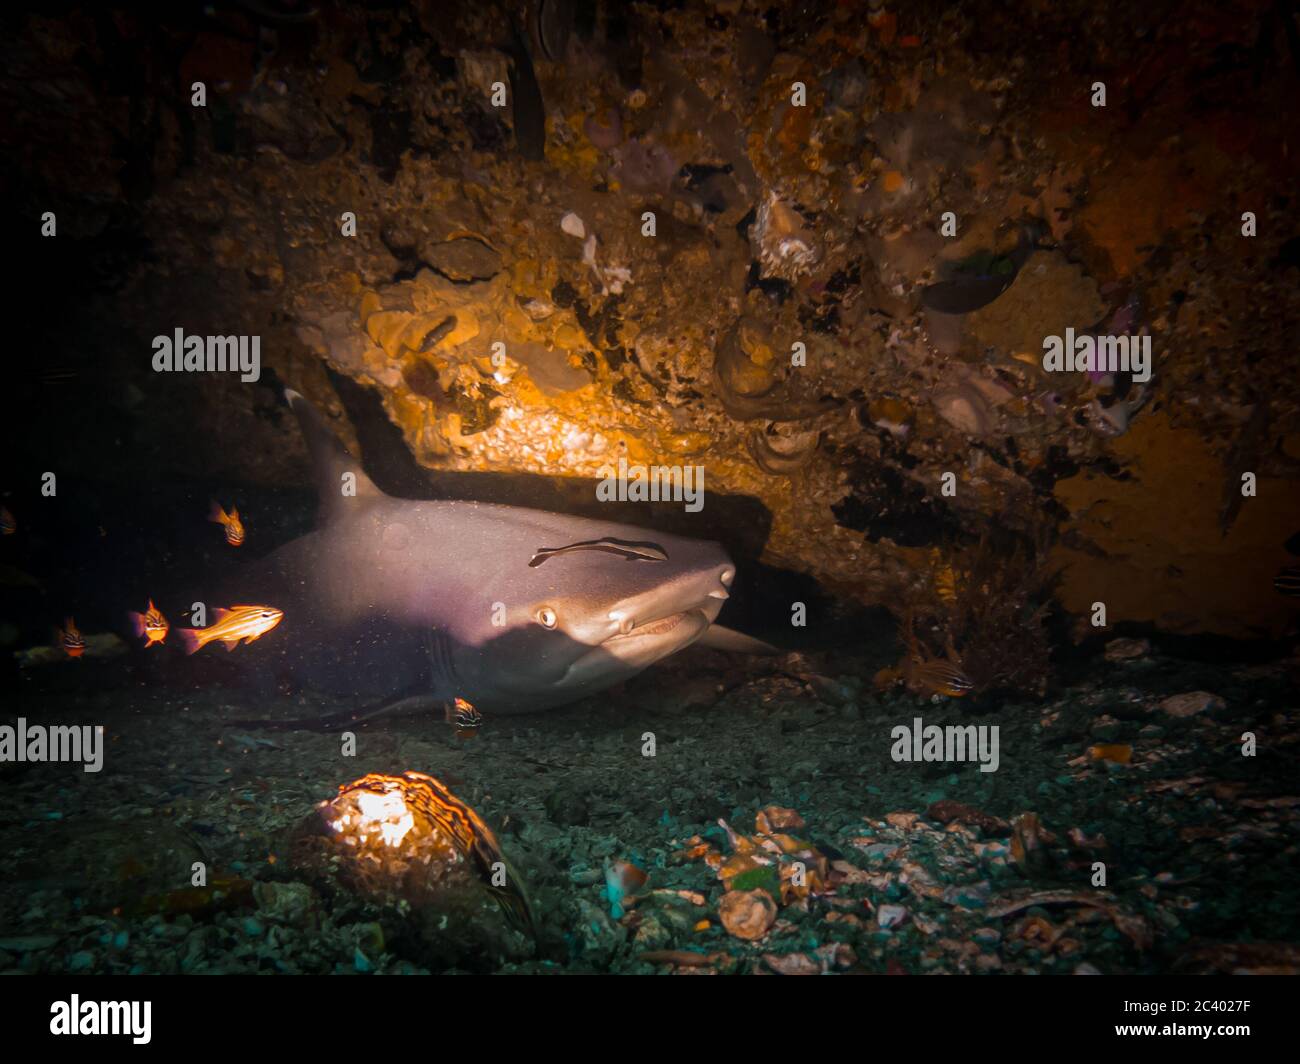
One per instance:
(238, 624)
(243, 623)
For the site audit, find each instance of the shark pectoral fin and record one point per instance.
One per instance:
(231, 643)
(399, 704)
(719, 638)
(403, 702)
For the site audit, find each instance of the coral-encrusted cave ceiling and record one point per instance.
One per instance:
(777, 221)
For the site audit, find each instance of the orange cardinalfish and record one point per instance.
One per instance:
(924, 674)
(234, 526)
(8, 524)
(464, 718)
(939, 677)
(239, 622)
(1287, 581)
(71, 640)
(152, 626)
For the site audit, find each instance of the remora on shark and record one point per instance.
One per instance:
(513, 609)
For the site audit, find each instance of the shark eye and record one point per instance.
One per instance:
(546, 617)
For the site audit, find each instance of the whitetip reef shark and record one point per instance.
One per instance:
(513, 609)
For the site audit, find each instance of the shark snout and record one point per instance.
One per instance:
(725, 577)
(704, 591)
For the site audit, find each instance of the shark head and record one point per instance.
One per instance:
(575, 615)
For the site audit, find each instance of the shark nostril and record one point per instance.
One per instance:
(727, 576)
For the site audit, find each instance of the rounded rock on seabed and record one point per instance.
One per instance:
(1127, 649)
(567, 807)
(389, 842)
(792, 964)
(289, 903)
(747, 914)
(773, 818)
(890, 916)
(1191, 703)
(1106, 729)
(652, 934)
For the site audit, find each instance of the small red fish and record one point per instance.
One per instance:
(1287, 581)
(929, 675)
(8, 524)
(71, 640)
(464, 718)
(234, 526)
(940, 677)
(248, 623)
(151, 626)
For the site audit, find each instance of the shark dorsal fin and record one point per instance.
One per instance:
(331, 463)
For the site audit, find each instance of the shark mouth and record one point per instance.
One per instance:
(659, 627)
(628, 653)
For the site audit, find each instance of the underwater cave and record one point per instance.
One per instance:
(693, 487)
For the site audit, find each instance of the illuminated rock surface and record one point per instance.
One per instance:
(817, 224)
